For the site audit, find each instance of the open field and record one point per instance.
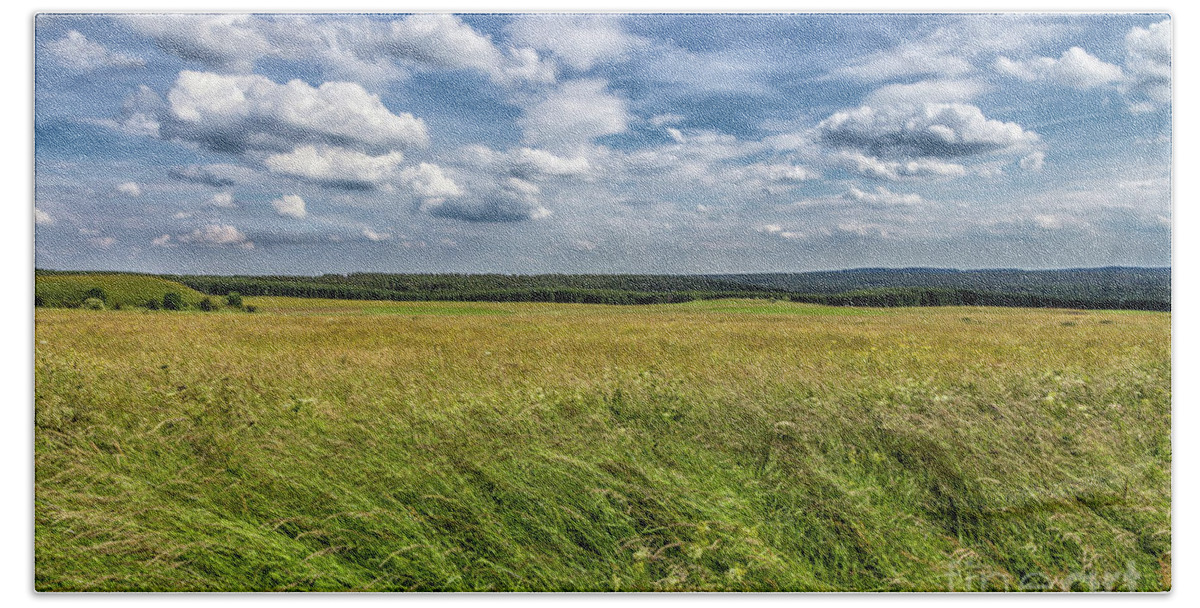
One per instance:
(715, 445)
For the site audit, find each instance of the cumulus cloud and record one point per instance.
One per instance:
(41, 218)
(581, 41)
(428, 180)
(444, 41)
(881, 197)
(950, 50)
(930, 130)
(223, 200)
(1148, 66)
(778, 231)
(218, 235)
(76, 52)
(513, 201)
(870, 166)
(129, 189)
(219, 175)
(161, 241)
(1075, 68)
(336, 167)
(526, 163)
(235, 114)
(290, 205)
(221, 42)
(575, 113)
(1034, 162)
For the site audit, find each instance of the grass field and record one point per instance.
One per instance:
(719, 445)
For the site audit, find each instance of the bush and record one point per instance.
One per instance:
(38, 300)
(206, 305)
(93, 304)
(98, 293)
(251, 308)
(153, 304)
(172, 301)
(234, 299)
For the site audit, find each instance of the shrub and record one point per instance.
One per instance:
(172, 301)
(234, 299)
(206, 305)
(93, 304)
(98, 293)
(153, 304)
(38, 300)
(251, 308)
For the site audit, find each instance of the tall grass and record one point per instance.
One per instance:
(567, 447)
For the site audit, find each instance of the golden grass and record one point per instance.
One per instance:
(325, 444)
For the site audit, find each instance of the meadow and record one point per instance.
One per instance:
(712, 445)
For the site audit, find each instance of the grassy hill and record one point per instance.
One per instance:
(68, 290)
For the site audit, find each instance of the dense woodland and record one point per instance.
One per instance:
(1097, 288)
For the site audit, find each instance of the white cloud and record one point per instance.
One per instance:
(375, 236)
(951, 50)
(77, 53)
(871, 166)
(541, 162)
(429, 180)
(1034, 162)
(334, 166)
(514, 200)
(581, 41)
(1075, 68)
(223, 200)
(41, 218)
(1148, 66)
(129, 189)
(290, 205)
(240, 113)
(219, 235)
(444, 41)
(931, 130)
(222, 42)
(161, 241)
(102, 242)
(909, 59)
(527, 163)
(777, 230)
(926, 91)
(575, 113)
(881, 197)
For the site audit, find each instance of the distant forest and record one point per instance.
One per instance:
(1091, 288)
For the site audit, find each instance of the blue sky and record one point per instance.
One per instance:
(305, 144)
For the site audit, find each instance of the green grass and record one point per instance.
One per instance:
(318, 446)
(69, 290)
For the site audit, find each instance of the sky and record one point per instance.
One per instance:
(308, 144)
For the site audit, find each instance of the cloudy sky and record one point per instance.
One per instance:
(304, 144)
